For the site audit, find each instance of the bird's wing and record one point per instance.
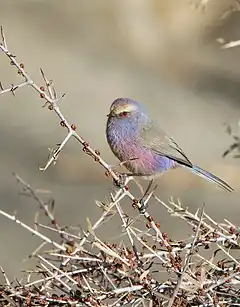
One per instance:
(154, 138)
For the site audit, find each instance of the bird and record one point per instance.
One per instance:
(143, 147)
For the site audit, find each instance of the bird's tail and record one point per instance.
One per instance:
(211, 178)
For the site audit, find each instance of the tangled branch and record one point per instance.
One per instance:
(143, 265)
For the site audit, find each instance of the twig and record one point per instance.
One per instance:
(188, 259)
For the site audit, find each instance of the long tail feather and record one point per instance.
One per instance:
(211, 178)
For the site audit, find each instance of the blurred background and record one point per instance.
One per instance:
(163, 53)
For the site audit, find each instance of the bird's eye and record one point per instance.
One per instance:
(123, 114)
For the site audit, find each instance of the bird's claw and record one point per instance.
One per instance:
(142, 209)
(122, 180)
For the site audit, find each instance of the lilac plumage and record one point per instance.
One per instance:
(143, 146)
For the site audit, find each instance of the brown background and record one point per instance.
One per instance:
(162, 53)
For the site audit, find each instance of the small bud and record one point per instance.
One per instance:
(85, 144)
(62, 123)
(126, 187)
(216, 235)
(220, 264)
(97, 152)
(182, 245)
(147, 287)
(42, 88)
(232, 230)
(22, 65)
(150, 219)
(50, 107)
(53, 221)
(107, 174)
(69, 249)
(74, 127)
(42, 95)
(198, 274)
(169, 248)
(165, 236)
(134, 205)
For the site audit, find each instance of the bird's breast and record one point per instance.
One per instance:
(122, 139)
(125, 142)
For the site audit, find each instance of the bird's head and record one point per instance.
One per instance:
(126, 108)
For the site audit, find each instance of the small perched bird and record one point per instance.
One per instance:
(143, 147)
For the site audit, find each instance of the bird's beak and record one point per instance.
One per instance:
(108, 115)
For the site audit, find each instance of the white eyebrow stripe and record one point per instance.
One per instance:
(124, 108)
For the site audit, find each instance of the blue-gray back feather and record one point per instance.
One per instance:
(156, 139)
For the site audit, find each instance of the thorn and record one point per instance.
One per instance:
(54, 91)
(45, 104)
(228, 128)
(236, 138)
(42, 73)
(52, 205)
(14, 88)
(1, 86)
(196, 214)
(3, 38)
(1, 30)
(225, 153)
(230, 149)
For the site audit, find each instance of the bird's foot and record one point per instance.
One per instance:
(121, 183)
(146, 196)
(142, 209)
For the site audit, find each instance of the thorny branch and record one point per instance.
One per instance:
(51, 100)
(235, 146)
(82, 269)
